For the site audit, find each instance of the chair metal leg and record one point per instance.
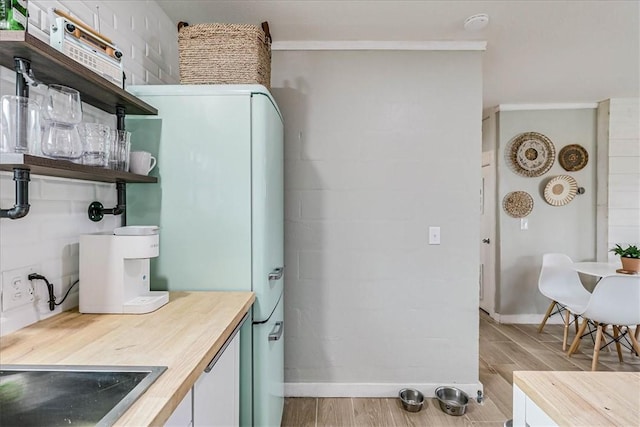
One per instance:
(616, 333)
(596, 348)
(546, 316)
(576, 341)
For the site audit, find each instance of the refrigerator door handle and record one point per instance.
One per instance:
(276, 274)
(277, 331)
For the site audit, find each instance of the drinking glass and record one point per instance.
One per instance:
(95, 144)
(62, 141)
(62, 105)
(20, 130)
(120, 147)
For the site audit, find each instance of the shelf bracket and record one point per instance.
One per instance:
(24, 76)
(97, 211)
(120, 115)
(21, 207)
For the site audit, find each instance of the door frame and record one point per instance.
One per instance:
(488, 199)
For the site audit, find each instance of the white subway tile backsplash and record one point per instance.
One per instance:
(20, 254)
(125, 36)
(34, 15)
(59, 189)
(48, 236)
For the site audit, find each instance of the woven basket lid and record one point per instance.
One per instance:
(560, 190)
(517, 204)
(530, 154)
(573, 157)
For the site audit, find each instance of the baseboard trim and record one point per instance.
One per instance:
(369, 389)
(527, 319)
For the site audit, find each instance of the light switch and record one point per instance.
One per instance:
(434, 235)
(524, 224)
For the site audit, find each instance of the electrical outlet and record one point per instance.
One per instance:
(16, 287)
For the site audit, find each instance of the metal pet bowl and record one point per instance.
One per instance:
(412, 400)
(452, 401)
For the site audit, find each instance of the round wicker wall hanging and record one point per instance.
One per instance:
(530, 154)
(517, 204)
(573, 157)
(560, 190)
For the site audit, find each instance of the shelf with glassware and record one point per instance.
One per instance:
(66, 169)
(35, 62)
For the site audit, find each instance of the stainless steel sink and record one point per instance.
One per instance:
(63, 395)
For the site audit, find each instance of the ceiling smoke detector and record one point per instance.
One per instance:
(476, 22)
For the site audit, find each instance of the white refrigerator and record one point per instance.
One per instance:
(219, 205)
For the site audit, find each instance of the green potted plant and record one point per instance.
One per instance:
(629, 256)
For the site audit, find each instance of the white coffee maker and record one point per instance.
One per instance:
(114, 271)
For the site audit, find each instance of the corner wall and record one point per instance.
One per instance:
(380, 145)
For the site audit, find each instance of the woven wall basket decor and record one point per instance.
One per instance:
(517, 204)
(560, 190)
(573, 157)
(530, 154)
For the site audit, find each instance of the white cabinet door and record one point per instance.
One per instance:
(182, 416)
(216, 394)
(526, 413)
(519, 407)
(536, 417)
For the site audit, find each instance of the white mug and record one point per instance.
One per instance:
(141, 162)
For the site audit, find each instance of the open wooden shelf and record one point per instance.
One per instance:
(66, 169)
(51, 66)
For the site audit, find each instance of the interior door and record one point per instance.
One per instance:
(486, 276)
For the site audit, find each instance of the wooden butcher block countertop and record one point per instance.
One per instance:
(584, 398)
(183, 335)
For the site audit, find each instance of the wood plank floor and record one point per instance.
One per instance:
(503, 349)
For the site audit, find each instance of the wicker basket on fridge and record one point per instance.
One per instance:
(225, 54)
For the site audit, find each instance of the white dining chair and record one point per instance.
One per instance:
(615, 301)
(559, 282)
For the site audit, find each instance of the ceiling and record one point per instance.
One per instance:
(537, 51)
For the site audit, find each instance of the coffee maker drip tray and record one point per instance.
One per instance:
(146, 303)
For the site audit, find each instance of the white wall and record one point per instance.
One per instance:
(380, 145)
(619, 202)
(568, 229)
(48, 236)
